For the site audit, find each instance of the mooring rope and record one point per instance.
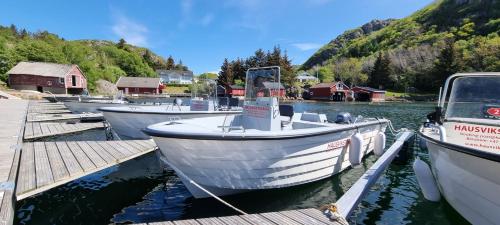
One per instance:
(394, 131)
(180, 173)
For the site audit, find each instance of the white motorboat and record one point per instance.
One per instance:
(267, 146)
(128, 121)
(91, 106)
(464, 146)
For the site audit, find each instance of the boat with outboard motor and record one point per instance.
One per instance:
(128, 121)
(267, 146)
(85, 105)
(464, 147)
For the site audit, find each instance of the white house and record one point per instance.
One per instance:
(175, 76)
(304, 77)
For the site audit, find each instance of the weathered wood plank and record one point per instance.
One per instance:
(134, 145)
(279, 218)
(126, 146)
(37, 131)
(98, 148)
(257, 219)
(186, 222)
(27, 180)
(145, 143)
(59, 170)
(42, 165)
(210, 221)
(236, 220)
(28, 130)
(96, 158)
(316, 214)
(301, 218)
(109, 146)
(80, 155)
(45, 129)
(69, 159)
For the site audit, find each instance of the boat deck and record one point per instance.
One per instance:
(290, 217)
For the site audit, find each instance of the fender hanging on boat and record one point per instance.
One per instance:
(379, 144)
(355, 151)
(426, 180)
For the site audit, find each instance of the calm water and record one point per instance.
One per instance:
(141, 190)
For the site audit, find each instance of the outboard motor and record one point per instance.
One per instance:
(343, 118)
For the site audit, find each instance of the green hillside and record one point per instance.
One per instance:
(445, 37)
(98, 59)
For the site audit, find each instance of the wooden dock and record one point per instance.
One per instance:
(290, 217)
(45, 117)
(45, 165)
(37, 130)
(12, 116)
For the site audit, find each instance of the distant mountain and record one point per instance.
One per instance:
(98, 59)
(414, 44)
(339, 44)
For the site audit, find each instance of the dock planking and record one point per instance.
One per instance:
(37, 130)
(45, 165)
(309, 216)
(12, 116)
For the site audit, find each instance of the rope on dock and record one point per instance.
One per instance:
(180, 173)
(332, 212)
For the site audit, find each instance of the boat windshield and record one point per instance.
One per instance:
(262, 82)
(475, 97)
(204, 89)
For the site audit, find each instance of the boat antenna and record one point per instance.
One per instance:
(440, 94)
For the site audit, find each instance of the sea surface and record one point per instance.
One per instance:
(141, 190)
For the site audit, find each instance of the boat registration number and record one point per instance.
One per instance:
(336, 144)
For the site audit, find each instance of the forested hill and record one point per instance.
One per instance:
(417, 51)
(98, 59)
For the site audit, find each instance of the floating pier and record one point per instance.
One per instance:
(37, 130)
(12, 118)
(45, 165)
(29, 168)
(290, 217)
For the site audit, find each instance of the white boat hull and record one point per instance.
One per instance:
(87, 107)
(469, 183)
(129, 125)
(233, 166)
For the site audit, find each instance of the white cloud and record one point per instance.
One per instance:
(133, 32)
(306, 46)
(207, 19)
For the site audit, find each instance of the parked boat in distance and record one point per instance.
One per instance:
(267, 146)
(128, 121)
(464, 146)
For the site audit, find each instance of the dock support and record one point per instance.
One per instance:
(350, 200)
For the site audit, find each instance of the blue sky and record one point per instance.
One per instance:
(201, 32)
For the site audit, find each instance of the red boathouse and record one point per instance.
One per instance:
(47, 77)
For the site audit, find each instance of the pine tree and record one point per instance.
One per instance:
(170, 63)
(226, 74)
(379, 75)
(288, 74)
